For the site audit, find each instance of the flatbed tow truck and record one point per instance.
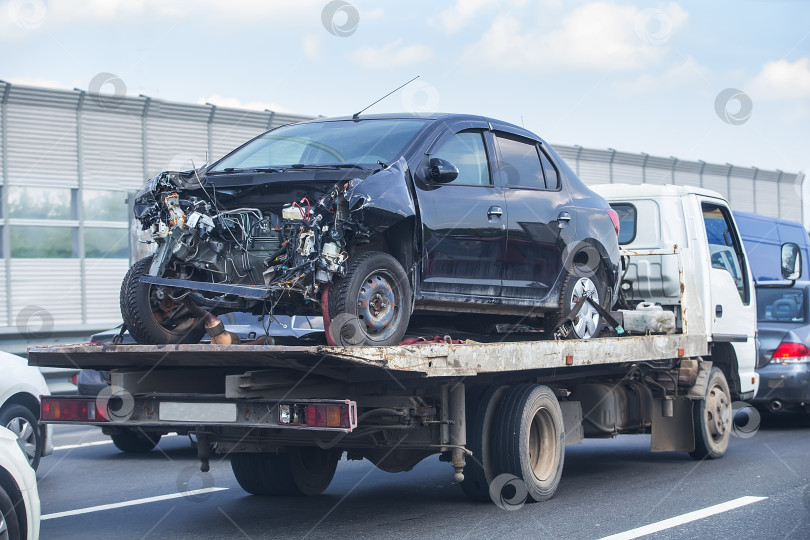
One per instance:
(286, 414)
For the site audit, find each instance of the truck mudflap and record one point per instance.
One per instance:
(184, 410)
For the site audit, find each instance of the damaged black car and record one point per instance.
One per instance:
(372, 223)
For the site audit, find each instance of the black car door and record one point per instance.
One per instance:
(541, 217)
(463, 222)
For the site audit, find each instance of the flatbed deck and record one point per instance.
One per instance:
(428, 360)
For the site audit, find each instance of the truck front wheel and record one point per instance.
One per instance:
(298, 471)
(529, 439)
(135, 441)
(712, 418)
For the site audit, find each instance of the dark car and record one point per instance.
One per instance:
(784, 356)
(372, 221)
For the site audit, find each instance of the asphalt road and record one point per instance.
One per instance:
(608, 487)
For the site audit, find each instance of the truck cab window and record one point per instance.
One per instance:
(725, 248)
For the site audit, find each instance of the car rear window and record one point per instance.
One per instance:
(781, 305)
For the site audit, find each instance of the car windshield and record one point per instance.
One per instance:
(781, 305)
(326, 143)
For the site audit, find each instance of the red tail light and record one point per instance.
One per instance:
(326, 415)
(614, 217)
(791, 352)
(60, 409)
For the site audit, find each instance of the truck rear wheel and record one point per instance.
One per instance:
(371, 304)
(712, 418)
(529, 439)
(150, 314)
(135, 441)
(481, 419)
(299, 471)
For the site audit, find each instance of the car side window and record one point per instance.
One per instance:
(467, 151)
(520, 163)
(550, 170)
(627, 222)
(724, 247)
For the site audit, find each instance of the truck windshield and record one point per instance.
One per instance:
(781, 305)
(326, 143)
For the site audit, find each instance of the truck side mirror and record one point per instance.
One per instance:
(791, 261)
(441, 171)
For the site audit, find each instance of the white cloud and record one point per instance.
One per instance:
(236, 103)
(464, 12)
(783, 80)
(597, 35)
(20, 18)
(372, 14)
(392, 55)
(311, 44)
(686, 73)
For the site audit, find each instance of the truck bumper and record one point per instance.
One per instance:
(788, 383)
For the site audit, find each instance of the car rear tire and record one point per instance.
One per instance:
(713, 418)
(9, 524)
(481, 419)
(298, 471)
(135, 441)
(588, 321)
(142, 311)
(371, 304)
(529, 439)
(24, 424)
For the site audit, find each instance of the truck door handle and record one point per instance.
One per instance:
(494, 211)
(718, 310)
(564, 216)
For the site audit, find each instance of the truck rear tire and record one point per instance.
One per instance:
(299, 471)
(135, 441)
(712, 418)
(529, 439)
(142, 311)
(481, 419)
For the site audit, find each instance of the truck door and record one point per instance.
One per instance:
(732, 309)
(463, 222)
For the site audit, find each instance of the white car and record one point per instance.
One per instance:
(20, 388)
(19, 498)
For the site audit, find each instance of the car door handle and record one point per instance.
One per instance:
(564, 216)
(495, 211)
(718, 310)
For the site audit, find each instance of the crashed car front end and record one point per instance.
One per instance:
(257, 254)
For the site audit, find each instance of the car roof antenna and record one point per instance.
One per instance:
(356, 116)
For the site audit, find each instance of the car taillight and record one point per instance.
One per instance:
(791, 352)
(75, 379)
(614, 217)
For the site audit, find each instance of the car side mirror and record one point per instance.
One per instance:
(441, 171)
(791, 261)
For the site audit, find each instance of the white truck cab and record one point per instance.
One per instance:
(700, 223)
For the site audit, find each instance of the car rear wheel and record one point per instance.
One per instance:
(151, 315)
(135, 441)
(22, 422)
(371, 304)
(298, 471)
(578, 283)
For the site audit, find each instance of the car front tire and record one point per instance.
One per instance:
(24, 424)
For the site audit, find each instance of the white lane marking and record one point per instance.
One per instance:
(81, 445)
(684, 518)
(133, 502)
(93, 443)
